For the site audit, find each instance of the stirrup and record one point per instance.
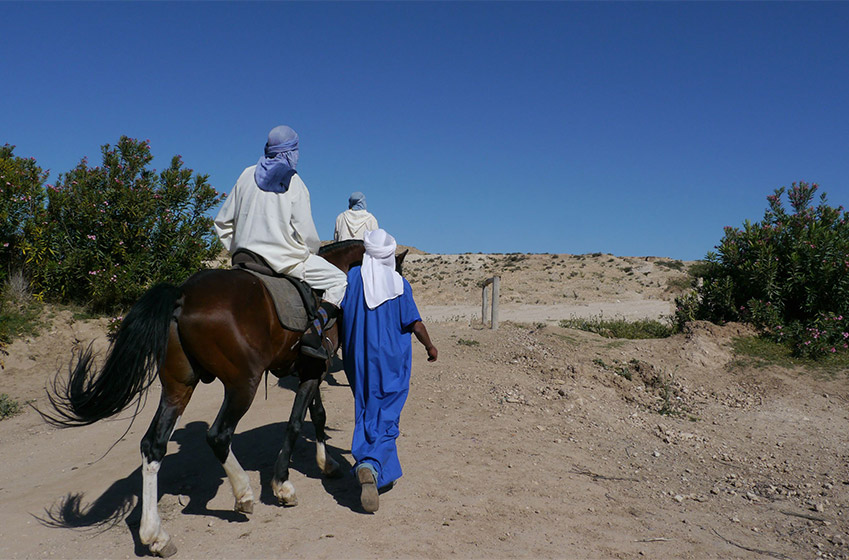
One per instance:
(309, 348)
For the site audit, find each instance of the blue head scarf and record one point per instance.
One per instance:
(275, 169)
(357, 201)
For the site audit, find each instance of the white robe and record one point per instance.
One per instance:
(353, 224)
(277, 226)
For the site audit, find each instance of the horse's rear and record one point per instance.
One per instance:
(219, 324)
(226, 327)
(228, 324)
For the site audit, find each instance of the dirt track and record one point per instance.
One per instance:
(531, 441)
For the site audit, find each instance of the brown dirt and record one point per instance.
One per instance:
(530, 441)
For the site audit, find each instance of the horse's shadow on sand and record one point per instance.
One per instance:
(193, 472)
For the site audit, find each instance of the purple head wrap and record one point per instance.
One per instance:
(357, 201)
(275, 169)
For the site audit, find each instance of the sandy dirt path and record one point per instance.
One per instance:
(530, 441)
(514, 445)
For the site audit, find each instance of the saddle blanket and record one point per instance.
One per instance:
(287, 301)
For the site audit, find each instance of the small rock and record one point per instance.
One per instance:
(679, 498)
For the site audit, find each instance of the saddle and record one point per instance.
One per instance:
(296, 303)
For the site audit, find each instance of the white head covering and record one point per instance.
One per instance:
(380, 281)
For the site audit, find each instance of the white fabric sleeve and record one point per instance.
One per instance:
(340, 222)
(225, 220)
(302, 221)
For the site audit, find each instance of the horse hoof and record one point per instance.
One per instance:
(170, 549)
(333, 471)
(246, 507)
(290, 502)
(286, 495)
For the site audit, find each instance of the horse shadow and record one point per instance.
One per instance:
(194, 473)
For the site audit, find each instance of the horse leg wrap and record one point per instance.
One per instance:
(312, 341)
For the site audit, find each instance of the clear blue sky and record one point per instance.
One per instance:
(627, 128)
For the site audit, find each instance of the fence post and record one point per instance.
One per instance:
(495, 281)
(484, 305)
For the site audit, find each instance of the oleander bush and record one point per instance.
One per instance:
(102, 235)
(22, 199)
(788, 275)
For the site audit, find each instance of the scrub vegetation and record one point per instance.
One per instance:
(788, 275)
(102, 235)
(621, 328)
(8, 406)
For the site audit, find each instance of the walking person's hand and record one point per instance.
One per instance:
(420, 331)
(432, 352)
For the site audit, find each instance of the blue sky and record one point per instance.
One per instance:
(627, 128)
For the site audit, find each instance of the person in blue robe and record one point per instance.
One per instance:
(378, 317)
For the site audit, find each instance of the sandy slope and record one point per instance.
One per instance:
(529, 441)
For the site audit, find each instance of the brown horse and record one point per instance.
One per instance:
(219, 324)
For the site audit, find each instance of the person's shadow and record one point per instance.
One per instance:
(193, 472)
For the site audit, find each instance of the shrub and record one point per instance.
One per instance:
(114, 230)
(8, 406)
(20, 315)
(21, 207)
(620, 327)
(788, 275)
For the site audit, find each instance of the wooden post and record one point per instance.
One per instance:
(495, 281)
(495, 285)
(483, 303)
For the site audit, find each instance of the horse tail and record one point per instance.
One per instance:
(132, 363)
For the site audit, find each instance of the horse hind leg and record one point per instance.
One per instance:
(326, 464)
(280, 483)
(220, 435)
(153, 447)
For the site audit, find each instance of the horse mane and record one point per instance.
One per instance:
(338, 246)
(327, 251)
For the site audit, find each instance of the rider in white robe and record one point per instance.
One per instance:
(354, 222)
(268, 213)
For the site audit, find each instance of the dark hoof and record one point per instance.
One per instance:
(170, 549)
(335, 472)
(246, 507)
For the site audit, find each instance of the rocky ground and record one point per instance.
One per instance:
(529, 441)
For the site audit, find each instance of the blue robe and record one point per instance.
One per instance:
(378, 355)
